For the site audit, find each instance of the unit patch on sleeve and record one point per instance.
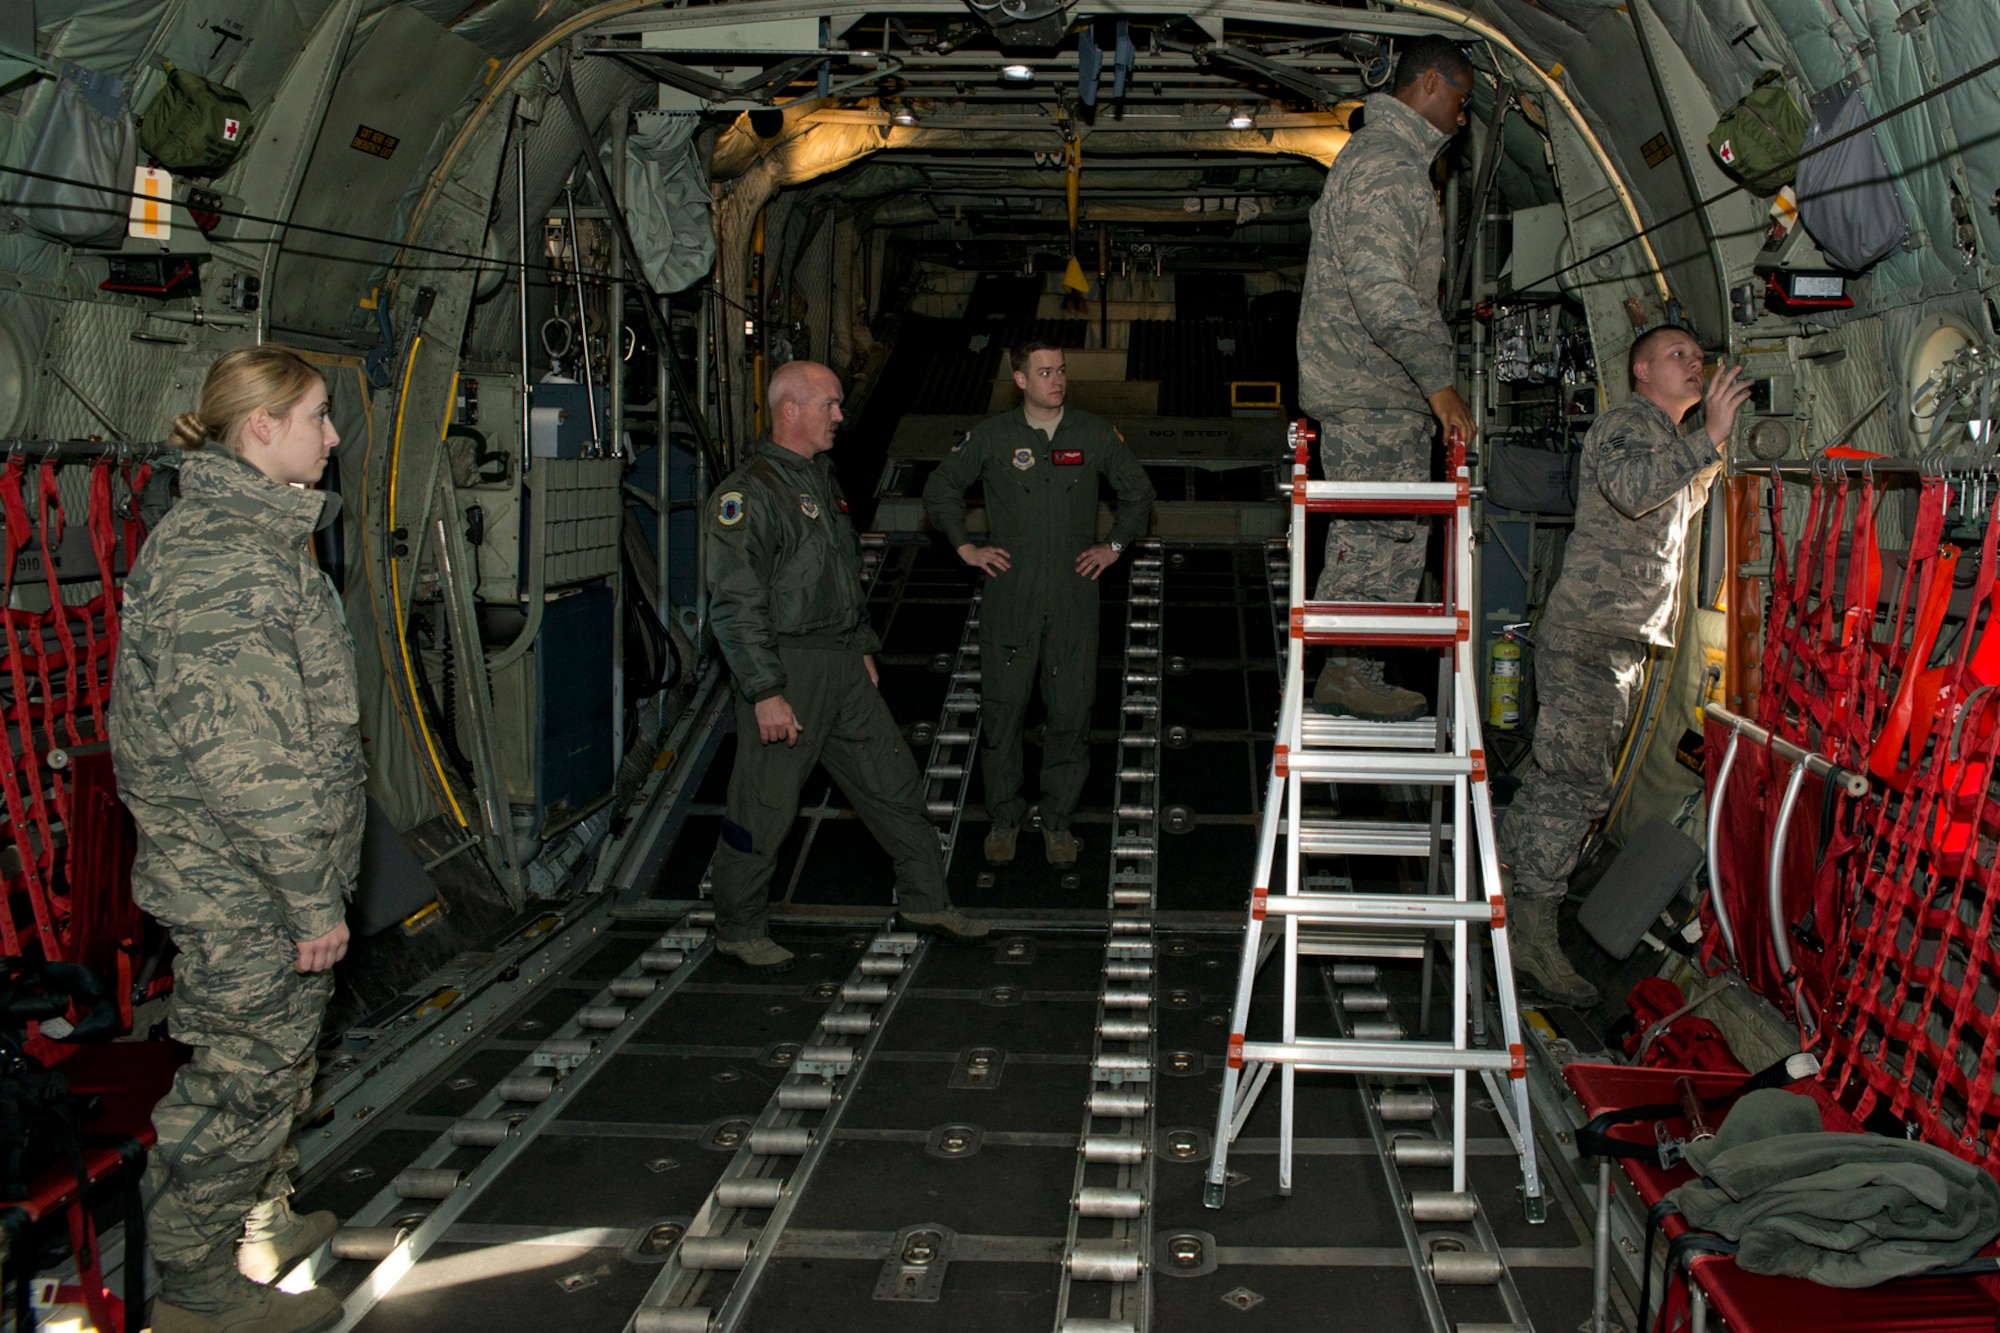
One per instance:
(729, 509)
(808, 506)
(1069, 458)
(1024, 458)
(841, 500)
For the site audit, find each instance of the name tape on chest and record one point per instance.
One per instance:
(1068, 458)
(1024, 458)
(729, 509)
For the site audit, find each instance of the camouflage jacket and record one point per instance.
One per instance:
(1370, 335)
(1643, 481)
(235, 719)
(1041, 508)
(783, 567)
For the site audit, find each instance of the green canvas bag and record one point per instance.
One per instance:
(1758, 139)
(194, 126)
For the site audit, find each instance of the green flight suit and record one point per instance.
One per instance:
(1040, 617)
(791, 616)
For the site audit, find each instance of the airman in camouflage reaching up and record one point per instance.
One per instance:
(1643, 481)
(235, 733)
(1375, 356)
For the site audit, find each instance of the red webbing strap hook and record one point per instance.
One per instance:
(22, 817)
(99, 656)
(51, 511)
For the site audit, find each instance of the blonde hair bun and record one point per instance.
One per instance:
(190, 431)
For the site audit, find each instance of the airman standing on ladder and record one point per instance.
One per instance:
(1040, 466)
(1375, 357)
(1643, 481)
(791, 616)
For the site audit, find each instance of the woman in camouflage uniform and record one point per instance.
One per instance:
(235, 733)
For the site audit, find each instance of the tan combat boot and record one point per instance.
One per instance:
(275, 1238)
(1061, 847)
(215, 1298)
(1531, 930)
(1354, 686)
(762, 955)
(1000, 843)
(951, 925)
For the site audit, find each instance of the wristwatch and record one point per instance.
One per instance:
(1116, 547)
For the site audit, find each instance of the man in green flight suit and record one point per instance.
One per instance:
(1040, 466)
(791, 616)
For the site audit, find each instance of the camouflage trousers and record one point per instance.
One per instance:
(225, 1127)
(1585, 685)
(1375, 559)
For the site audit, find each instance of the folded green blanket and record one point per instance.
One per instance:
(1845, 1210)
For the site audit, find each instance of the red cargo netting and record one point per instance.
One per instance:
(66, 869)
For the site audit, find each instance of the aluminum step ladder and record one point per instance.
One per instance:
(1443, 753)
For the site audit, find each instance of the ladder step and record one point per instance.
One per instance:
(1328, 729)
(1383, 497)
(1321, 625)
(1371, 909)
(1317, 941)
(1365, 837)
(1336, 1055)
(1379, 767)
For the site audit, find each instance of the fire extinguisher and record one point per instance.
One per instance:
(1503, 678)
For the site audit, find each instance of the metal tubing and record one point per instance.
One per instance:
(1419, 1105)
(1105, 1261)
(428, 1183)
(1118, 1149)
(1355, 974)
(1852, 783)
(1600, 1258)
(1464, 1268)
(662, 960)
(521, 235)
(1781, 943)
(1420, 1152)
(671, 1318)
(369, 1245)
(1124, 1029)
(848, 1025)
(1442, 1206)
(1101, 1201)
(781, 1140)
(723, 1253)
(1118, 1103)
(750, 1192)
(805, 1096)
(526, 1088)
(600, 1016)
(1715, 849)
(481, 1133)
(633, 988)
(1364, 1001)
(865, 992)
(1380, 1030)
(881, 965)
(1126, 970)
(583, 320)
(1127, 999)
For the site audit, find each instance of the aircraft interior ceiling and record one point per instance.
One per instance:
(548, 256)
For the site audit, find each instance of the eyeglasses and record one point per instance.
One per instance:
(1456, 84)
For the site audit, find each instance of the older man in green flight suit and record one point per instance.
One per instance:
(790, 613)
(1039, 465)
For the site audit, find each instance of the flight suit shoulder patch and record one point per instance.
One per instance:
(729, 508)
(808, 506)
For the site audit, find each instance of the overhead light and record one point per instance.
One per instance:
(902, 115)
(1242, 120)
(1018, 73)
